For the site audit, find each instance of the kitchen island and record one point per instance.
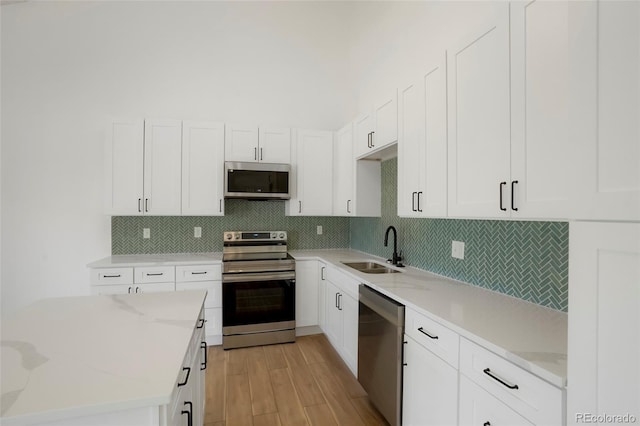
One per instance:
(97, 360)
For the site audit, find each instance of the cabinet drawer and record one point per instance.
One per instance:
(198, 273)
(479, 407)
(346, 283)
(433, 336)
(530, 396)
(111, 276)
(154, 274)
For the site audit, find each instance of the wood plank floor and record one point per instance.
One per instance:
(301, 383)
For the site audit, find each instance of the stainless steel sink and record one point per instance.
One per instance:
(370, 267)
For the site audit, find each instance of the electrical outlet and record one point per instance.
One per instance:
(457, 249)
(197, 232)
(319, 229)
(146, 233)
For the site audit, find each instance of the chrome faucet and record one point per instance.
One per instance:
(396, 259)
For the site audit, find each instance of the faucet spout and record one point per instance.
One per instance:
(395, 258)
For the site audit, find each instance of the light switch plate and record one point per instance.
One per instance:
(197, 232)
(457, 249)
(319, 229)
(146, 233)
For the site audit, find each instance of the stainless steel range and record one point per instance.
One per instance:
(258, 289)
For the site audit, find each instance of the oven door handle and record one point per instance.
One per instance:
(263, 276)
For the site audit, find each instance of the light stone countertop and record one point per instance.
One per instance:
(128, 260)
(77, 356)
(529, 335)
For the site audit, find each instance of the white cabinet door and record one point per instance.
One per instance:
(333, 319)
(343, 172)
(313, 174)
(322, 290)
(274, 145)
(363, 127)
(428, 378)
(348, 306)
(422, 145)
(385, 117)
(540, 76)
(124, 156)
(479, 407)
(306, 293)
(604, 320)
(478, 120)
(162, 167)
(202, 168)
(241, 143)
(605, 95)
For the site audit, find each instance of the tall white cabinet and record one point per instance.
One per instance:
(605, 110)
(312, 168)
(202, 171)
(478, 114)
(422, 144)
(604, 320)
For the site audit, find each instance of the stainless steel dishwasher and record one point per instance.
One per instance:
(380, 343)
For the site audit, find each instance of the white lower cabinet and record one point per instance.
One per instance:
(430, 388)
(148, 279)
(306, 293)
(536, 400)
(341, 320)
(604, 321)
(205, 277)
(479, 407)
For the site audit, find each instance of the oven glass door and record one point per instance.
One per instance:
(258, 302)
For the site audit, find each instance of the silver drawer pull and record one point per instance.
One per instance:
(199, 273)
(111, 276)
(421, 330)
(155, 275)
(488, 373)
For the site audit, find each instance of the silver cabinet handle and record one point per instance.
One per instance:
(220, 205)
(255, 153)
(146, 205)
(138, 290)
(129, 290)
(139, 205)
(260, 154)
(348, 206)
(322, 273)
(419, 194)
(299, 206)
(372, 145)
(339, 301)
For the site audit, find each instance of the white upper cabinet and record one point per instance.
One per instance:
(264, 145)
(603, 361)
(422, 144)
(144, 167)
(241, 143)
(202, 168)
(478, 120)
(377, 129)
(124, 157)
(343, 172)
(605, 110)
(162, 167)
(357, 183)
(312, 174)
(539, 185)
(275, 145)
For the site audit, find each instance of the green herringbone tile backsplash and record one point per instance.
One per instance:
(528, 260)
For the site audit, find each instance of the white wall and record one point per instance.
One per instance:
(69, 66)
(395, 41)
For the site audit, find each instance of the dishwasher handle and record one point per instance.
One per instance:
(384, 306)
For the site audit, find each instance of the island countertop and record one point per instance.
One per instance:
(78, 356)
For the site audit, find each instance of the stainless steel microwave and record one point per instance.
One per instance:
(256, 180)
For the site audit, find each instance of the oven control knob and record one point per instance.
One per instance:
(274, 235)
(228, 236)
(281, 235)
(237, 236)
